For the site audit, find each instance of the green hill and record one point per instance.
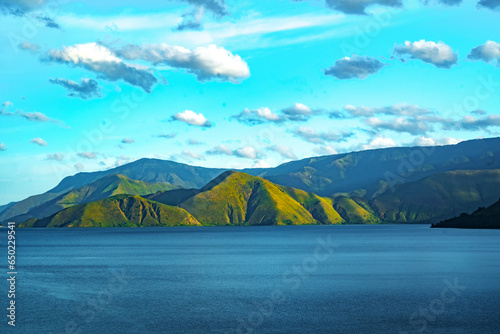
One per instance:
(353, 212)
(320, 208)
(439, 196)
(117, 211)
(482, 218)
(105, 187)
(172, 197)
(235, 198)
(365, 173)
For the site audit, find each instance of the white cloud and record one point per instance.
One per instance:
(399, 124)
(428, 141)
(354, 67)
(300, 112)
(325, 150)
(207, 63)
(284, 150)
(261, 164)
(39, 141)
(99, 59)
(438, 54)
(3, 147)
(379, 142)
(192, 118)
(246, 152)
(221, 149)
(79, 167)
(488, 52)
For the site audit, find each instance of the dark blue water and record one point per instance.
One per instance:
(296, 279)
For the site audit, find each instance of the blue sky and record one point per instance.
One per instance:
(92, 85)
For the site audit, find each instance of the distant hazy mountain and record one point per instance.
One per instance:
(368, 172)
(364, 174)
(439, 196)
(117, 211)
(482, 218)
(148, 170)
(22, 207)
(103, 188)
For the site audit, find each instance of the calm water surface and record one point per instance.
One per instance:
(296, 279)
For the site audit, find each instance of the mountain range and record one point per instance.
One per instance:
(396, 185)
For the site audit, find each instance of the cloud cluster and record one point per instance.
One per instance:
(192, 118)
(247, 152)
(86, 89)
(99, 59)
(472, 123)
(401, 109)
(307, 133)
(437, 54)
(412, 126)
(300, 112)
(257, 116)
(488, 52)
(354, 67)
(296, 113)
(358, 7)
(428, 141)
(207, 63)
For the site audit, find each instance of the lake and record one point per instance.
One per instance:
(277, 279)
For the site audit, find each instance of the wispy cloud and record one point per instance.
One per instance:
(309, 134)
(87, 155)
(86, 89)
(55, 156)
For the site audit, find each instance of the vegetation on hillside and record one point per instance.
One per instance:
(117, 211)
